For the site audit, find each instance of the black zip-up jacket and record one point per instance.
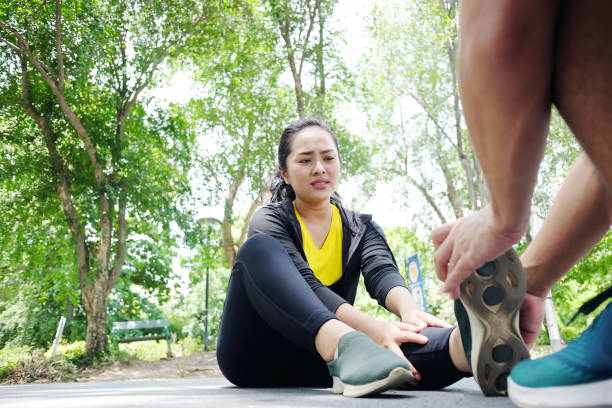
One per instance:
(364, 247)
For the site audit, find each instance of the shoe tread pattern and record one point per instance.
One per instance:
(494, 294)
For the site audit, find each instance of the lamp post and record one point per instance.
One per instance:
(206, 315)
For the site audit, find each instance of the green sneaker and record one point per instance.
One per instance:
(362, 367)
(580, 375)
(487, 313)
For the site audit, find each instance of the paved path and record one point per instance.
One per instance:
(214, 392)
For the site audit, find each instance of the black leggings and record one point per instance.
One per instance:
(271, 317)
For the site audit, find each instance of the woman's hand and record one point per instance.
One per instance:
(391, 335)
(419, 320)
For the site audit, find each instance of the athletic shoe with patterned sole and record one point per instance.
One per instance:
(361, 367)
(487, 314)
(580, 375)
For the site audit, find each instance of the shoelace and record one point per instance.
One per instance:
(590, 305)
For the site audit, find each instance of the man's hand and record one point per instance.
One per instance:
(466, 245)
(531, 318)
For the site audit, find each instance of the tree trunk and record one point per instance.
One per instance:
(95, 302)
(320, 71)
(284, 22)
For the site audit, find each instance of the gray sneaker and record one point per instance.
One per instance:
(488, 317)
(361, 367)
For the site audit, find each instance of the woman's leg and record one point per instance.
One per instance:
(270, 320)
(435, 360)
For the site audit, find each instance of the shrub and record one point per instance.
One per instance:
(38, 368)
(72, 352)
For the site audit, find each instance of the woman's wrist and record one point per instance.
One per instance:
(357, 319)
(408, 315)
(400, 302)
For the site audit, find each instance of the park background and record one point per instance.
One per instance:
(137, 138)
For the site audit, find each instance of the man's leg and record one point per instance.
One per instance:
(579, 217)
(582, 87)
(581, 374)
(505, 70)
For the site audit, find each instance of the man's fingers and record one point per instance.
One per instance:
(454, 278)
(439, 234)
(441, 258)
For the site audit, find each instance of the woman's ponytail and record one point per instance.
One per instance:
(279, 189)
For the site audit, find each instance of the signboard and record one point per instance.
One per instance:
(415, 281)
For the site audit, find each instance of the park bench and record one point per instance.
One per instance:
(118, 327)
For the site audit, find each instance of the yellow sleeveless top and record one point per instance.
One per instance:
(326, 262)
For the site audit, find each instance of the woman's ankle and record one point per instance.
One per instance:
(457, 352)
(326, 340)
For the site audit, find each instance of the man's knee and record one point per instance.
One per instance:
(507, 32)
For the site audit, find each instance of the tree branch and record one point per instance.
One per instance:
(10, 44)
(121, 244)
(74, 120)
(58, 45)
(311, 16)
(26, 95)
(44, 70)
(258, 201)
(427, 197)
(65, 197)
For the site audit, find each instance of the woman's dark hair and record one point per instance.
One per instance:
(279, 189)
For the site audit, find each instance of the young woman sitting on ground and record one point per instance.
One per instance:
(288, 318)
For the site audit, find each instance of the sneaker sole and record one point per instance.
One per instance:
(396, 377)
(492, 296)
(596, 394)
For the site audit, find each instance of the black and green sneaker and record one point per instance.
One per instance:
(362, 367)
(487, 313)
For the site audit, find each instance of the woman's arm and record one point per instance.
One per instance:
(384, 282)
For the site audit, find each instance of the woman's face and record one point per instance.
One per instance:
(313, 166)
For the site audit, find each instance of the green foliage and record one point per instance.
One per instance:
(587, 279)
(188, 311)
(410, 95)
(29, 315)
(10, 357)
(111, 50)
(72, 352)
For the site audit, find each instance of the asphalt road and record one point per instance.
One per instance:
(214, 392)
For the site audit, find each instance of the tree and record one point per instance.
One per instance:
(412, 95)
(302, 28)
(78, 69)
(242, 112)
